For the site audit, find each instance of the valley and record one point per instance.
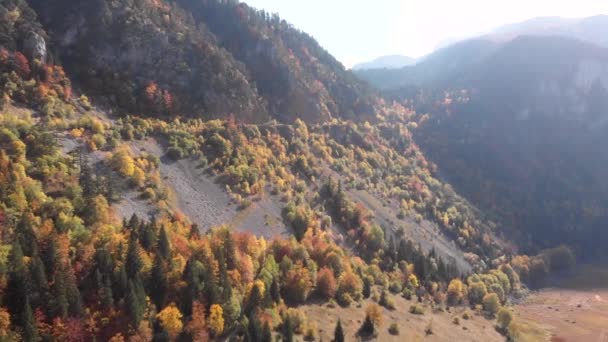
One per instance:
(202, 170)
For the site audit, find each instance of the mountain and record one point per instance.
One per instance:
(202, 171)
(178, 57)
(517, 127)
(442, 65)
(386, 62)
(590, 29)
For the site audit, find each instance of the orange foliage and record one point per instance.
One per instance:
(326, 283)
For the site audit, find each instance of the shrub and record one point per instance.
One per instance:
(456, 320)
(350, 287)
(477, 291)
(504, 318)
(386, 301)
(310, 333)
(455, 292)
(393, 329)
(416, 309)
(148, 194)
(491, 303)
(466, 315)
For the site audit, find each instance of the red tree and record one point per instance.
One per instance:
(22, 65)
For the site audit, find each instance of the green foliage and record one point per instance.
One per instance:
(393, 329)
(339, 332)
(491, 304)
(416, 309)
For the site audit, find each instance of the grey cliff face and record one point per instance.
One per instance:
(35, 47)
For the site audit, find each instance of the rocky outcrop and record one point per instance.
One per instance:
(35, 47)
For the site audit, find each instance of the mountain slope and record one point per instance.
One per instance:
(519, 133)
(201, 58)
(590, 29)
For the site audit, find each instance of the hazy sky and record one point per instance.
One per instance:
(360, 30)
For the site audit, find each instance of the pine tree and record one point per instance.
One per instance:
(134, 306)
(158, 283)
(287, 330)
(255, 300)
(192, 290)
(28, 323)
(163, 244)
(133, 223)
(367, 288)
(73, 294)
(25, 234)
(39, 283)
(49, 257)
(17, 287)
(275, 290)
(133, 262)
(104, 290)
(266, 333)
(367, 328)
(255, 331)
(339, 332)
(230, 250)
(60, 305)
(147, 236)
(120, 283)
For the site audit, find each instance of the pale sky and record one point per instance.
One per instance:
(360, 30)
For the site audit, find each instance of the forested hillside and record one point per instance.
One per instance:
(259, 107)
(518, 129)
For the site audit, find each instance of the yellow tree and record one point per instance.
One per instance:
(171, 320)
(455, 292)
(216, 320)
(374, 312)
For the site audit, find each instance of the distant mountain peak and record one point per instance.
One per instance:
(386, 62)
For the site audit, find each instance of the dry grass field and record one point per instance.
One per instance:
(577, 311)
(411, 327)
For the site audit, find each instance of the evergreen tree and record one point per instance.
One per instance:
(367, 287)
(367, 328)
(287, 330)
(192, 290)
(120, 283)
(25, 234)
(133, 262)
(158, 283)
(28, 323)
(17, 287)
(135, 308)
(164, 249)
(104, 290)
(49, 257)
(230, 250)
(266, 333)
(255, 331)
(255, 300)
(339, 332)
(73, 294)
(147, 236)
(275, 290)
(61, 304)
(133, 223)
(39, 283)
